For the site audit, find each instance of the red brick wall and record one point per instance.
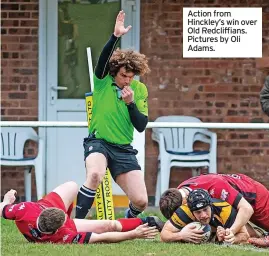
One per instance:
(224, 90)
(214, 90)
(19, 69)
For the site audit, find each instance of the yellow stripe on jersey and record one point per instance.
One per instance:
(187, 211)
(220, 203)
(224, 213)
(177, 221)
(182, 216)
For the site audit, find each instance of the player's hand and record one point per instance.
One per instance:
(119, 28)
(190, 234)
(127, 94)
(144, 231)
(229, 236)
(220, 233)
(10, 197)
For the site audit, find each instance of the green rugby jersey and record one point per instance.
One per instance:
(110, 117)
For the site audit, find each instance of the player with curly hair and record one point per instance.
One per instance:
(120, 105)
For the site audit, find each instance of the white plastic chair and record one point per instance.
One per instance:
(13, 141)
(176, 149)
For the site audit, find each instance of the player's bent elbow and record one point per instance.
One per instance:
(245, 207)
(250, 210)
(141, 129)
(165, 237)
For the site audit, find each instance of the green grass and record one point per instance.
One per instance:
(13, 243)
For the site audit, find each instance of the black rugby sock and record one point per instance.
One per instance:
(85, 200)
(132, 212)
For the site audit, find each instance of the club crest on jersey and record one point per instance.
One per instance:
(21, 207)
(11, 208)
(65, 237)
(224, 195)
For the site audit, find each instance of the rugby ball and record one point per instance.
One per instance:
(206, 228)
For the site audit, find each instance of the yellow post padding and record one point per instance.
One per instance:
(103, 199)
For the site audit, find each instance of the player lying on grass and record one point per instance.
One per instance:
(249, 197)
(219, 214)
(48, 220)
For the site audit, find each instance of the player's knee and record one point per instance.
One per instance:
(141, 203)
(95, 173)
(73, 187)
(94, 177)
(114, 226)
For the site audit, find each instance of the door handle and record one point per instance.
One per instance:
(59, 88)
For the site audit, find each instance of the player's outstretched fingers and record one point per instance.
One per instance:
(197, 239)
(151, 233)
(144, 231)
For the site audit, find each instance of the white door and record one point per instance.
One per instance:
(72, 26)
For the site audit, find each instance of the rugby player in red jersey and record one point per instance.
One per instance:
(48, 220)
(249, 197)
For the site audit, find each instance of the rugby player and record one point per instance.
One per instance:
(219, 214)
(48, 220)
(249, 197)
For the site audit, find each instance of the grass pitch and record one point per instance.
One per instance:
(13, 243)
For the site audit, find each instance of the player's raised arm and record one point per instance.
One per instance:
(119, 28)
(102, 66)
(9, 198)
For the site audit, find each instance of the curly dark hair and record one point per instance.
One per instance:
(132, 61)
(170, 200)
(51, 219)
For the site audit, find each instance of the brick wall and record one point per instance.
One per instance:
(19, 69)
(224, 90)
(214, 90)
